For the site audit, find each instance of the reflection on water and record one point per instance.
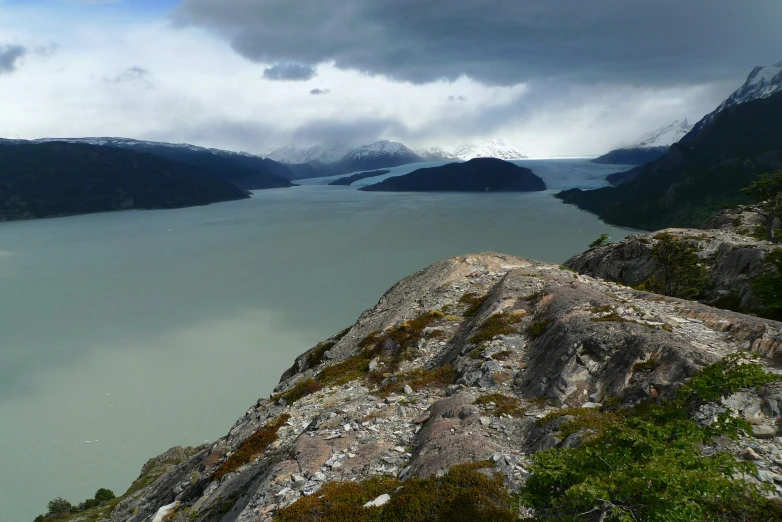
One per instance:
(124, 334)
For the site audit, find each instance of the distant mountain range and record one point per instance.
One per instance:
(321, 161)
(705, 170)
(246, 171)
(648, 148)
(51, 179)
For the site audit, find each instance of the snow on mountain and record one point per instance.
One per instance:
(664, 136)
(436, 154)
(762, 82)
(295, 155)
(496, 148)
(136, 144)
(379, 148)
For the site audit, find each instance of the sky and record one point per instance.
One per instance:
(553, 77)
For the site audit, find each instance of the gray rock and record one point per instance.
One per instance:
(764, 432)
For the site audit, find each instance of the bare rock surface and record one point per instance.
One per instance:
(529, 333)
(732, 257)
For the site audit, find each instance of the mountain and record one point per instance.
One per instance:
(476, 175)
(59, 179)
(761, 83)
(292, 154)
(378, 155)
(246, 171)
(704, 171)
(495, 148)
(436, 154)
(648, 148)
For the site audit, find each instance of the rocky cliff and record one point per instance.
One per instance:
(464, 361)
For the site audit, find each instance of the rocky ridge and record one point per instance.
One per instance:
(462, 362)
(733, 258)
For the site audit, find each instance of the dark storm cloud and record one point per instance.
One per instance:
(320, 91)
(289, 71)
(505, 42)
(10, 56)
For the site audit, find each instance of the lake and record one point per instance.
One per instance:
(124, 334)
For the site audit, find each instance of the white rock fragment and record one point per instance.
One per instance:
(165, 511)
(382, 500)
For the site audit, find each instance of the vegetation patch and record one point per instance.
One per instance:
(300, 390)
(502, 356)
(503, 404)
(474, 303)
(680, 273)
(252, 447)
(537, 328)
(497, 324)
(464, 494)
(583, 419)
(420, 378)
(646, 462)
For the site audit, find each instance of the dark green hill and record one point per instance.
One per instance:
(476, 175)
(60, 179)
(631, 156)
(698, 175)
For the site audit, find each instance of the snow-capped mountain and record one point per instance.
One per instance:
(129, 143)
(664, 136)
(292, 154)
(378, 155)
(436, 154)
(379, 148)
(496, 148)
(762, 82)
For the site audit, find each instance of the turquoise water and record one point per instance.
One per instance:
(124, 334)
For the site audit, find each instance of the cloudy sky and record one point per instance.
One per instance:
(554, 77)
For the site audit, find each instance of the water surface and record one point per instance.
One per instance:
(123, 334)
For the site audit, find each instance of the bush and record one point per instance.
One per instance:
(104, 495)
(600, 242)
(646, 463)
(536, 329)
(768, 286)
(59, 506)
(497, 324)
(681, 272)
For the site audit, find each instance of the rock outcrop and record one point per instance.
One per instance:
(733, 258)
(457, 363)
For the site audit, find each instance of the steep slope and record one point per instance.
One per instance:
(476, 175)
(701, 173)
(59, 179)
(346, 181)
(761, 83)
(495, 148)
(244, 170)
(648, 148)
(409, 391)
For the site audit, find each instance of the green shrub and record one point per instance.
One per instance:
(681, 273)
(600, 241)
(645, 463)
(300, 389)
(767, 287)
(104, 495)
(58, 506)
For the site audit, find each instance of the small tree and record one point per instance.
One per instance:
(59, 506)
(680, 271)
(767, 191)
(104, 495)
(599, 242)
